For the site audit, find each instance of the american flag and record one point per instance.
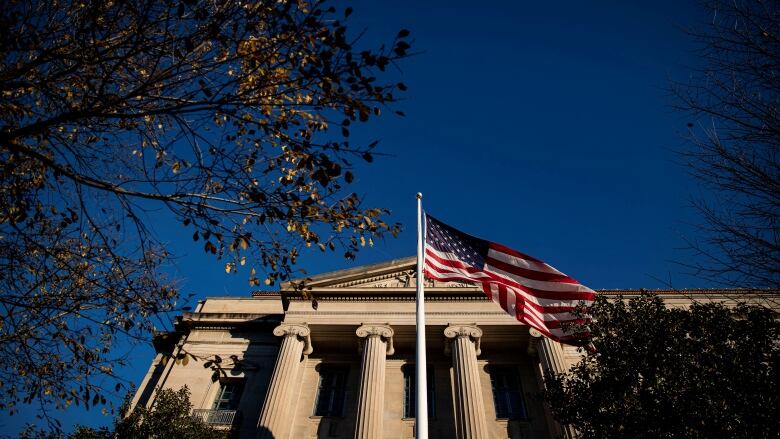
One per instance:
(526, 288)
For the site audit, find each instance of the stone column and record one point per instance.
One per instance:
(377, 345)
(275, 417)
(470, 422)
(550, 352)
(551, 360)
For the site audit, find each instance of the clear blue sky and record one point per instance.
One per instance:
(547, 127)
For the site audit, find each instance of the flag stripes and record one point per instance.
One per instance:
(526, 288)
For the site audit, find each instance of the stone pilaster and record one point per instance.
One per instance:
(377, 345)
(275, 417)
(470, 422)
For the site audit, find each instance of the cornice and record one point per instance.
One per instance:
(225, 320)
(476, 294)
(394, 313)
(691, 291)
(394, 296)
(263, 294)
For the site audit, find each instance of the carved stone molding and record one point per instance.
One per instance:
(471, 295)
(297, 330)
(470, 331)
(398, 279)
(383, 331)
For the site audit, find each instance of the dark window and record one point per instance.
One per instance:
(229, 395)
(507, 392)
(410, 395)
(330, 396)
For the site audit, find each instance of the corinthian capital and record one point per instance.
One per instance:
(299, 330)
(379, 330)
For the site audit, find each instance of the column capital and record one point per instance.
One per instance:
(381, 330)
(300, 330)
(533, 341)
(465, 330)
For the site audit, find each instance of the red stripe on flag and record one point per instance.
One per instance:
(542, 294)
(527, 279)
(530, 274)
(519, 306)
(488, 292)
(502, 297)
(451, 263)
(455, 277)
(509, 251)
(442, 278)
(550, 309)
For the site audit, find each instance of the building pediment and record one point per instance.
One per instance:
(397, 274)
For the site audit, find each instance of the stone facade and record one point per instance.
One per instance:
(278, 365)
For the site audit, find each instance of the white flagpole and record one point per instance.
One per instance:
(422, 362)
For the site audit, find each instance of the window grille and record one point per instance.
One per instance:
(330, 395)
(507, 392)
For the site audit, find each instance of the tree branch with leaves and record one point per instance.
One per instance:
(234, 117)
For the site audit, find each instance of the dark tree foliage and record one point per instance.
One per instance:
(707, 371)
(230, 117)
(734, 105)
(169, 418)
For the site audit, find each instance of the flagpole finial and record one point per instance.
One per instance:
(419, 195)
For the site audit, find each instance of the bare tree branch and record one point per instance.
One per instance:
(734, 102)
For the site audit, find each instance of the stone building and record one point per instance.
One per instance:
(276, 365)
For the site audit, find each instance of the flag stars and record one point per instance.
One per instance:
(459, 256)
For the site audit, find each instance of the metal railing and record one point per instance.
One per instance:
(215, 417)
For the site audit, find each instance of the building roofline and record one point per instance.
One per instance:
(354, 272)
